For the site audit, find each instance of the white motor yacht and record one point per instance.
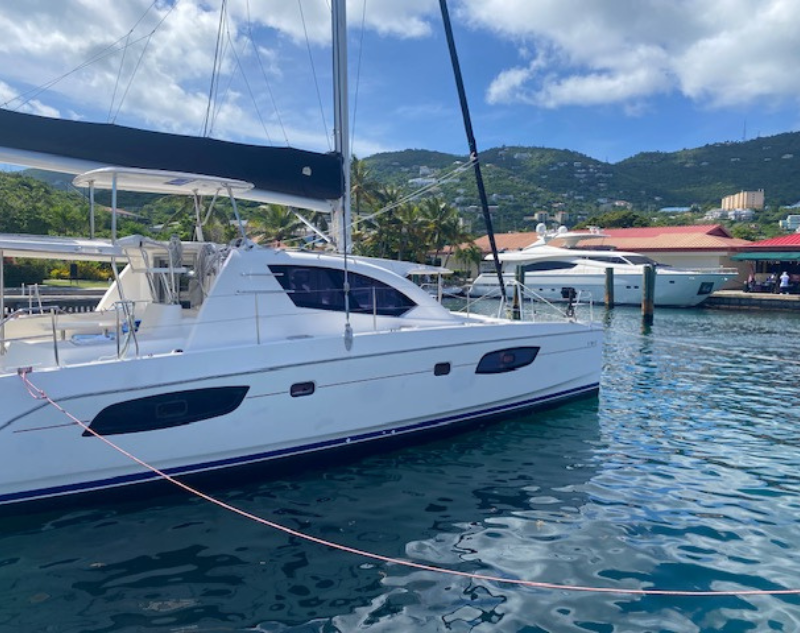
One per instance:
(549, 272)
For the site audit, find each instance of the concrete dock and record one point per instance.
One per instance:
(740, 300)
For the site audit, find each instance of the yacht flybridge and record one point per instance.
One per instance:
(205, 356)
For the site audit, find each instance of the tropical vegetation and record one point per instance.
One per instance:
(524, 183)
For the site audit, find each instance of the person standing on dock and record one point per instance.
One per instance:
(784, 283)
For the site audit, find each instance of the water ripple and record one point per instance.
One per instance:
(684, 474)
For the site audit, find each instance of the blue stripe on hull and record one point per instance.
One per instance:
(443, 422)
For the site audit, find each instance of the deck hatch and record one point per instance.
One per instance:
(166, 410)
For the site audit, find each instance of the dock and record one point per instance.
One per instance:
(740, 300)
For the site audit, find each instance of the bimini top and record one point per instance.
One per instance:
(158, 181)
(280, 175)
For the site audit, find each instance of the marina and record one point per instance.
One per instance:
(681, 475)
(235, 434)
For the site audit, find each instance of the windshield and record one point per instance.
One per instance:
(641, 260)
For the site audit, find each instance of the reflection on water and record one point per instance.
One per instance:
(684, 474)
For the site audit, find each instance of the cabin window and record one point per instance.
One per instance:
(300, 389)
(167, 410)
(323, 289)
(608, 259)
(506, 360)
(554, 265)
(641, 260)
(441, 369)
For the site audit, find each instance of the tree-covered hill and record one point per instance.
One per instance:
(706, 174)
(523, 183)
(650, 180)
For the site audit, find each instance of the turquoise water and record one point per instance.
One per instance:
(683, 475)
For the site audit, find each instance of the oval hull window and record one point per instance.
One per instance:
(505, 360)
(166, 410)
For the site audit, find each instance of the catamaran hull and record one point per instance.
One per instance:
(672, 289)
(201, 411)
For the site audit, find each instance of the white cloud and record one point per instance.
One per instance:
(510, 86)
(151, 63)
(716, 52)
(32, 106)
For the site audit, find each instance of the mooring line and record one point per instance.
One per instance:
(40, 394)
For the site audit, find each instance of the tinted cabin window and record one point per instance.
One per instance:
(167, 410)
(322, 289)
(536, 266)
(609, 259)
(505, 360)
(640, 259)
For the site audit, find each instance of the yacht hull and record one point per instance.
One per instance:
(197, 411)
(673, 288)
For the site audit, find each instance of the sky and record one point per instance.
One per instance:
(607, 78)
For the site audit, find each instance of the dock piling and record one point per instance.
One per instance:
(609, 288)
(648, 293)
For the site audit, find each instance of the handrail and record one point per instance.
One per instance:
(527, 293)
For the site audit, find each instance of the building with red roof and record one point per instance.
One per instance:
(768, 259)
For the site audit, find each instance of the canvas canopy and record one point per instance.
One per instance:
(777, 256)
(282, 175)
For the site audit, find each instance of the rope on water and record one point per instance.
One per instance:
(40, 394)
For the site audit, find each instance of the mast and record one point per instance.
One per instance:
(340, 219)
(473, 147)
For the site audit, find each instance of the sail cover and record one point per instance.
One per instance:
(77, 146)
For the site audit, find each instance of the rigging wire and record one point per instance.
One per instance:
(215, 71)
(412, 196)
(419, 192)
(358, 73)
(264, 75)
(122, 62)
(31, 94)
(133, 74)
(314, 72)
(27, 96)
(119, 75)
(408, 198)
(250, 92)
(40, 394)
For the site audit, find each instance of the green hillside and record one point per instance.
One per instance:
(522, 181)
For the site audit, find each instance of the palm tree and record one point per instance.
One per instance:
(274, 223)
(363, 189)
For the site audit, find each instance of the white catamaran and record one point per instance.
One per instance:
(205, 356)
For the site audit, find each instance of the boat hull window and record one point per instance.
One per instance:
(322, 289)
(300, 389)
(166, 410)
(441, 369)
(506, 360)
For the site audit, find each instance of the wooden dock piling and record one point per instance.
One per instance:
(648, 293)
(609, 288)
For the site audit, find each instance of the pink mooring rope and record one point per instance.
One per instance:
(39, 394)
